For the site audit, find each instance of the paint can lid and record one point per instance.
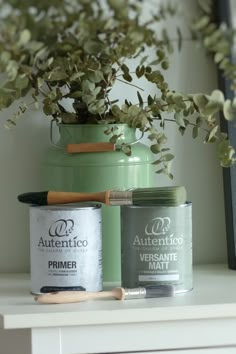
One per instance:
(156, 206)
(70, 206)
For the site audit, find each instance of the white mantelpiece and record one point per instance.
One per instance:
(203, 318)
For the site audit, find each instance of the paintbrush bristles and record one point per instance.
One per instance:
(164, 290)
(166, 196)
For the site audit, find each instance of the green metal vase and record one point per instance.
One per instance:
(96, 172)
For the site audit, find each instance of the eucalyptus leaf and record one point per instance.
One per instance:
(206, 5)
(88, 86)
(22, 82)
(200, 100)
(114, 138)
(167, 157)
(159, 171)
(119, 7)
(50, 108)
(140, 99)
(218, 57)
(12, 70)
(195, 132)
(93, 47)
(201, 23)
(127, 77)
(25, 37)
(115, 110)
(95, 76)
(226, 153)
(76, 76)
(179, 120)
(209, 104)
(142, 61)
(126, 149)
(212, 136)
(165, 65)
(55, 76)
(88, 99)
(156, 149)
(76, 94)
(140, 70)
(218, 97)
(5, 57)
(230, 110)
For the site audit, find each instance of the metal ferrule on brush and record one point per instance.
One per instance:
(136, 293)
(121, 198)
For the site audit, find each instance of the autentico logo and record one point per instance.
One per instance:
(61, 228)
(158, 226)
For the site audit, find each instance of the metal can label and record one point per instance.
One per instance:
(65, 248)
(156, 245)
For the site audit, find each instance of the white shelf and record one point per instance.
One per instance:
(213, 296)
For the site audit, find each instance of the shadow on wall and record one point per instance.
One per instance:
(21, 150)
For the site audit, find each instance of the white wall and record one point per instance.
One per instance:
(233, 12)
(21, 150)
(195, 166)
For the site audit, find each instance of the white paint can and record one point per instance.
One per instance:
(66, 247)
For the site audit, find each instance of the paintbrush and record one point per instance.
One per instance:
(170, 196)
(63, 297)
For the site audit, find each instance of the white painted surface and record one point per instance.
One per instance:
(149, 336)
(203, 320)
(196, 351)
(208, 300)
(51, 337)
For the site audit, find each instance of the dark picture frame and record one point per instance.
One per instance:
(224, 14)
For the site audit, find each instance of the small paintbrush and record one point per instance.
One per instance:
(63, 297)
(166, 196)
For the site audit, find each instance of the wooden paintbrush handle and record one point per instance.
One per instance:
(75, 197)
(90, 147)
(63, 297)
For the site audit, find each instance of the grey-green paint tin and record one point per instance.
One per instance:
(156, 246)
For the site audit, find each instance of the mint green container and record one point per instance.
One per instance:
(99, 171)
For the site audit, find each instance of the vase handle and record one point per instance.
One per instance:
(51, 135)
(96, 147)
(90, 147)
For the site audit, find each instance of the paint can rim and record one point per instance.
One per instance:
(70, 206)
(187, 204)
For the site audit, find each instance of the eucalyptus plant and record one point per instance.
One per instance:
(78, 49)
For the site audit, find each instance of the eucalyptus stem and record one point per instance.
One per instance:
(189, 123)
(128, 83)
